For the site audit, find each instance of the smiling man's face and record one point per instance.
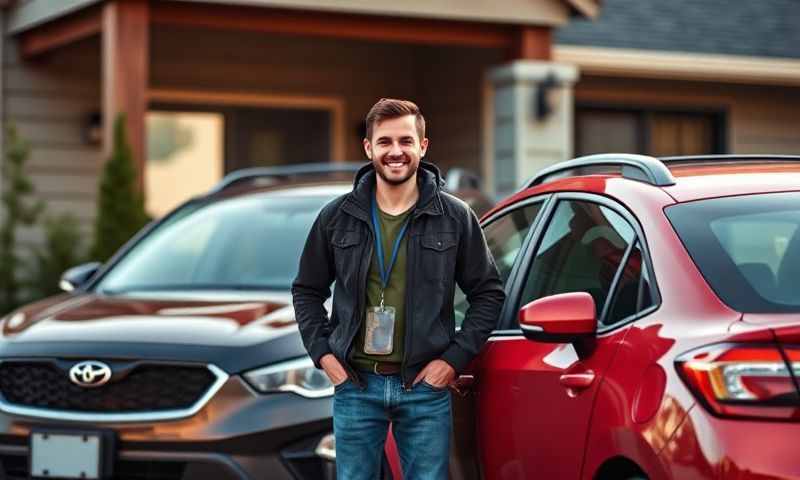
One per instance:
(396, 149)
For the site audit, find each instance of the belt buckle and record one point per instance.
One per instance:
(375, 368)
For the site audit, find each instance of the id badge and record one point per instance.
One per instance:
(380, 331)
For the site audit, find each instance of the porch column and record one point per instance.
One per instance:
(532, 119)
(126, 57)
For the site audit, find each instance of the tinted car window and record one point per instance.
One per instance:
(504, 237)
(632, 294)
(747, 248)
(251, 241)
(581, 251)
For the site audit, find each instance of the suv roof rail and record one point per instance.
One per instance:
(726, 158)
(636, 167)
(284, 171)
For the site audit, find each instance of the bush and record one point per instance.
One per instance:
(19, 210)
(121, 211)
(61, 251)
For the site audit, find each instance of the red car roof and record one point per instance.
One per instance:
(692, 182)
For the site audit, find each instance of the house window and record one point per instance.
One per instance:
(648, 131)
(185, 156)
(194, 139)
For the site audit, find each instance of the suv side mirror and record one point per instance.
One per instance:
(76, 277)
(562, 318)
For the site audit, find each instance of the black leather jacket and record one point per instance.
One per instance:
(445, 246)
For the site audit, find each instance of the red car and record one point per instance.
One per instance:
(652, 326)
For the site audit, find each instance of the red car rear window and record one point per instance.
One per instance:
(747, 248)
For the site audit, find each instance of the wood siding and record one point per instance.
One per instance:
(446, 81)
(50, 100)
(759, 119)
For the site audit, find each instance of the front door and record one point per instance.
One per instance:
(530, 422)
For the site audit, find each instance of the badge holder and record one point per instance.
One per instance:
(379, 336)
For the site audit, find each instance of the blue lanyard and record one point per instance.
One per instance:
(384, 272)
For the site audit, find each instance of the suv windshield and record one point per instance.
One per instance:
(747, 248)
(247, 242)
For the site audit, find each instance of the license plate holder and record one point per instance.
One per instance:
(71, 453)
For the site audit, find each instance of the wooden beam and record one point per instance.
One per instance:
(532, 43)
(335, 25)
(126, 58)
(61, 32)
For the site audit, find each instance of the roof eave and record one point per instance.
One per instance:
(587, 8)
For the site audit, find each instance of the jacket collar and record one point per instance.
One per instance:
(429, 180)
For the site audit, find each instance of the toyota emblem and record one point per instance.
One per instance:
(90, 374)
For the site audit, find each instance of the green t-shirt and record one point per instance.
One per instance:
(394, 295)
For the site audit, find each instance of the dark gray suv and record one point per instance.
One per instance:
(180, 357)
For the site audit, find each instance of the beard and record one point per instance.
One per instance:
(384, 171)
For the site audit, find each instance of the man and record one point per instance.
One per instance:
(396, 247)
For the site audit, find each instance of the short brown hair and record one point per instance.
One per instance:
(388, 108)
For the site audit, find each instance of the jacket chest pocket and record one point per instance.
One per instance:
(438, 257)
(347, 247)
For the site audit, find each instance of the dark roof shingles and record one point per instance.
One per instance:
(768, 28)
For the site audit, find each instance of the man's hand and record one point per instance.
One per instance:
(333, 369)
(437, 373)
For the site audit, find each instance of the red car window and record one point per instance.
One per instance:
(581, 251)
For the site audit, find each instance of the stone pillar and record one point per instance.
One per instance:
(526, 136)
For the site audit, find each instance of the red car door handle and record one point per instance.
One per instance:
(463, 384)
(577, 381)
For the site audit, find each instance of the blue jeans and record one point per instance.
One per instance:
(421, 423)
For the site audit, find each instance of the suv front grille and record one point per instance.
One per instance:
(133, 388)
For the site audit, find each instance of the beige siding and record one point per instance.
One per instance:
(759, 119)
(50, 100)
(446, 82)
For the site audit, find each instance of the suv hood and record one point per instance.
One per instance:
(233, 330)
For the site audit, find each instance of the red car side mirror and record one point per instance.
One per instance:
(561, 318)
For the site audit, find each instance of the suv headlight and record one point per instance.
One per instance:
(299, 376)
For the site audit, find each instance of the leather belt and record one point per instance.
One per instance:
(385, 368)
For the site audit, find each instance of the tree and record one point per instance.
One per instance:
(20, 210)
(121, 211)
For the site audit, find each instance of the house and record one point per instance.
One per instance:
(507, 87)
(212, 86)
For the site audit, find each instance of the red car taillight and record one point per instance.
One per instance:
(737, 380)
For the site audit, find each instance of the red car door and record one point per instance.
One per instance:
(506, 232)
(530, 423)
(533, 400)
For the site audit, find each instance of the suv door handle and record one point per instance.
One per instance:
(577, 381)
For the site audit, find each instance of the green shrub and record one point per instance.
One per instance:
(121, 211)
(62, 250)
(19, 210)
